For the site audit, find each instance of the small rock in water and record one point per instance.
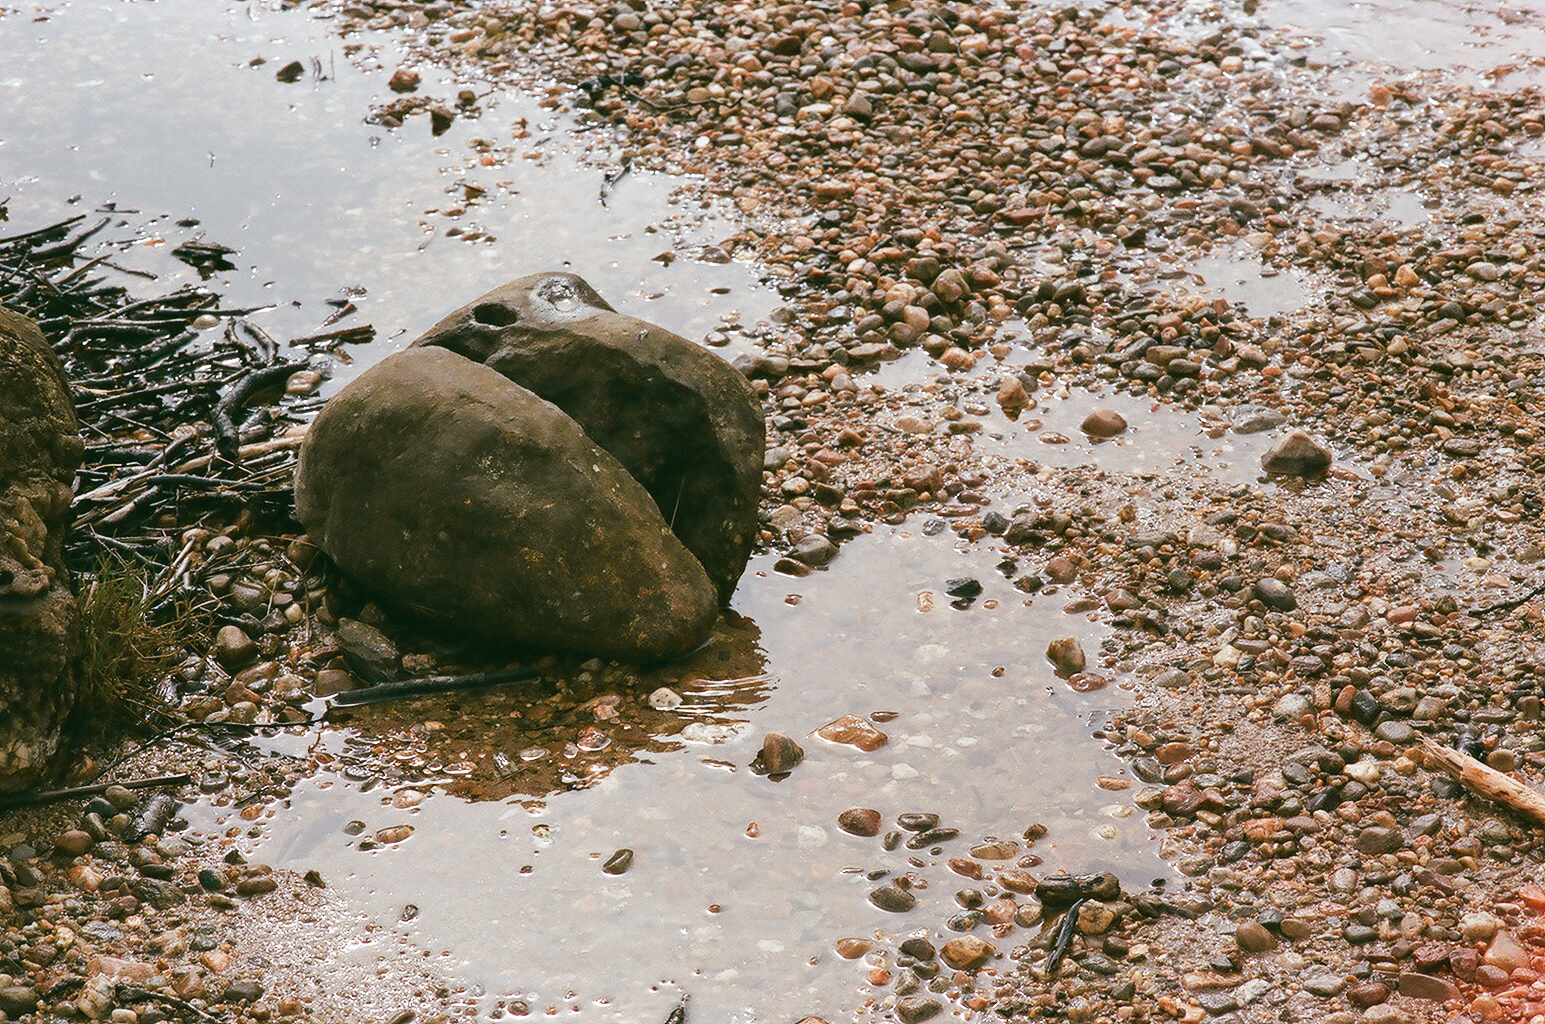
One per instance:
(814, 550)
(778, 756)
(618, 862)
(1103, 422)
(853, 731)
(403, 80)
(852, 949)
(1066, 655)
(393, 834)
(893, 898)
(1297, 454)
(917, 821)
(665, 699)
(1256, 419)
(859, 821)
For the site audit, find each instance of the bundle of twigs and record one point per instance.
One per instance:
(180, 401)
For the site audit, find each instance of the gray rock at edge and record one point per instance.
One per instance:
(456, 494)
(40, 449)
(682, 421)
(1297, 454)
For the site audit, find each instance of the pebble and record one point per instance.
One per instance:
(893, 898)
(1252, 937)
(778, 755)
(859, 821)
(1426, 986)
(618, 862)
(1324, 985)
(967, 953)
(1066, 655)
(1275, 594)
(1297, 454)
(1103, 422)
(233, 648)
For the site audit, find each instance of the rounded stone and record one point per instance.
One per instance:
(460, 497)
(1275, 594)
(1253, 937)
(73, 843)
(859, 821)
(967, 953)
(1103, 422)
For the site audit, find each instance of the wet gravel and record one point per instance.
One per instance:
(1017, 191)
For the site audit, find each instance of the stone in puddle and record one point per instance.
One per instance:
(778, 755)
(859, 821)
(852, 949)
(1103, 422)
(1066, 655)
(854, 732)
(893, 898)
(680, 420)
(915, 1009)
(1297, 454)
(463, 498)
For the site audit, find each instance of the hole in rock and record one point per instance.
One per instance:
(495, 315)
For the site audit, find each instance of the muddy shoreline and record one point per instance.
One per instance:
(994, 211)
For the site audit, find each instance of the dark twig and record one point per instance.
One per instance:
(50, 795)
(430, 686)
(1507, 606)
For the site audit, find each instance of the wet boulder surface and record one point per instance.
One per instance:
(457, 495)
(683, 422)
(40, 449)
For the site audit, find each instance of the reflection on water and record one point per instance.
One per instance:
(171, 112)
(1159, 438)
(1483, 43)
(739, 885)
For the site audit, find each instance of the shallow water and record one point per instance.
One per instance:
(159, 109)
(985, 734)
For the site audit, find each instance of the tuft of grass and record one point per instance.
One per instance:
(127, 652)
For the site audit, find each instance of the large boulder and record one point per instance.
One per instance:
(454, 493)
(40, 449)
(682, 421)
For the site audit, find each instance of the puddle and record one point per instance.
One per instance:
(1160, 438)
(739, 885)
(1484, 44)
(1263, 291)
(157, 108)
(1399, 207)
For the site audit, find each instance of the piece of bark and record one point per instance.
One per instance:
(1486, 782)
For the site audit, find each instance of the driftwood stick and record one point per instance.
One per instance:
(50, 795)
(1486, 782)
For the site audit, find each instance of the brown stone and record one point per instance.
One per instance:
(859, 821)
(1368, 993)
(854, 732)
(1427, 986)
(967, 953)
(1103, 422)
(778, 755)
(852, 949)
(1253, 937)
(1173, 753)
